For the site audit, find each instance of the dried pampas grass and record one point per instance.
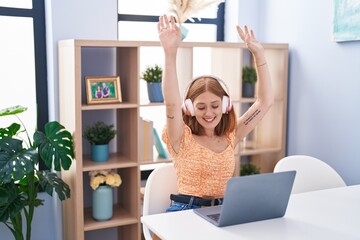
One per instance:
(186, 9)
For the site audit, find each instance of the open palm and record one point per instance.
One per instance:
(250, 40)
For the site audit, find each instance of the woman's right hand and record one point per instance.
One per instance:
(169, 33)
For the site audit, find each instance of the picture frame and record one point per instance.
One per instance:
(346, 21)
(103, 89)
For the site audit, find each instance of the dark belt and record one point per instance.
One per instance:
(182, 198)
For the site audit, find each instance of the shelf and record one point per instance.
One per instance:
(151, 104)
(120, 218)
(115, 161)
(81, 58)
(109, 106)
(255, 151)
(152, 165)
(248, 100)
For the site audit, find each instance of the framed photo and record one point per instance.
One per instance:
(103, 89)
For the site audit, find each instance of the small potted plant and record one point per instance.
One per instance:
(99, 135)
(248, 169)
(249, 78)
(153, 77)
(102, 183)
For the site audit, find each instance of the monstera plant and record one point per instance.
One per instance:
(20, 178)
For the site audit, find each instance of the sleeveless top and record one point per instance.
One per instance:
(200, 171)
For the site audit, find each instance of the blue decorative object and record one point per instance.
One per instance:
(184, 32)
(155, 92)
(100, 153)
(102, 203)
(159, 147)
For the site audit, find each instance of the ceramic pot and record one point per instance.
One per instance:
(155, 92)
(102, 203)
(100, 153)
(248, 90)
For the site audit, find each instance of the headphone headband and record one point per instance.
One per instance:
(221, 82)
(226, 101)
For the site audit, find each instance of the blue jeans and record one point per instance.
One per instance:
(177, 206)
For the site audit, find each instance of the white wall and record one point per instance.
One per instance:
(68, 19)
(80, 19)
(324, 82)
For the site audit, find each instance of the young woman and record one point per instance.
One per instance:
(202, 131)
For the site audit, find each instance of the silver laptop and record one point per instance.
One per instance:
(251, 198)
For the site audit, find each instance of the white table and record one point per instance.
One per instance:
(325, 214)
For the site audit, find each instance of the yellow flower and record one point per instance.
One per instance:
(113, 179)
(103, 177)
(96, 181)
(110, 180)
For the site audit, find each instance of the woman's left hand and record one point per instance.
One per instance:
(251, 42)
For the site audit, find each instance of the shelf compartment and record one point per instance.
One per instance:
(121, 217)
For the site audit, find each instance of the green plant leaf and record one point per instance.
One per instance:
(15, 162)
(14, 204)
(248, 169)
(99, 133)
(249, 75)
(50, 182)
(152, 74)
(55, 146)
(12, 110)
(3, 196)
(9, 131)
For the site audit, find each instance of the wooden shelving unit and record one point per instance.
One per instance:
(80, 58)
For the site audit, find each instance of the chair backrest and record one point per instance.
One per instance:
(312, 173)
(159, 185)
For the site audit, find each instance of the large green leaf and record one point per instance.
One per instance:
(3, 196)
(9, 131)
(55, 146)
(12, 110)
(50, 182)
(14, 204)
(15, 162)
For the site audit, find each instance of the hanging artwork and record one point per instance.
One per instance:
(346, 22)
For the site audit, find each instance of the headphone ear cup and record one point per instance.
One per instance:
(188, 107)
(226, 104)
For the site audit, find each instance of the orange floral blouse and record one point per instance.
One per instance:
(200, 171)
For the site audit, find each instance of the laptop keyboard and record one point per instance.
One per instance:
(214, 217)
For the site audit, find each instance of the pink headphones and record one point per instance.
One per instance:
(188, 106)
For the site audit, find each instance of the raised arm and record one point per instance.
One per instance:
(265, 96)
(170, 37)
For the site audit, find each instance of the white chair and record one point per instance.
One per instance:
(159, 185)
(311, 173)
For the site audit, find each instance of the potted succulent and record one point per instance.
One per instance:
(249, 79)
(153, 76)
(248, 169)
(99, 135)
(20, 180)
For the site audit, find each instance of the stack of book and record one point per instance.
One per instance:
(150, 139)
